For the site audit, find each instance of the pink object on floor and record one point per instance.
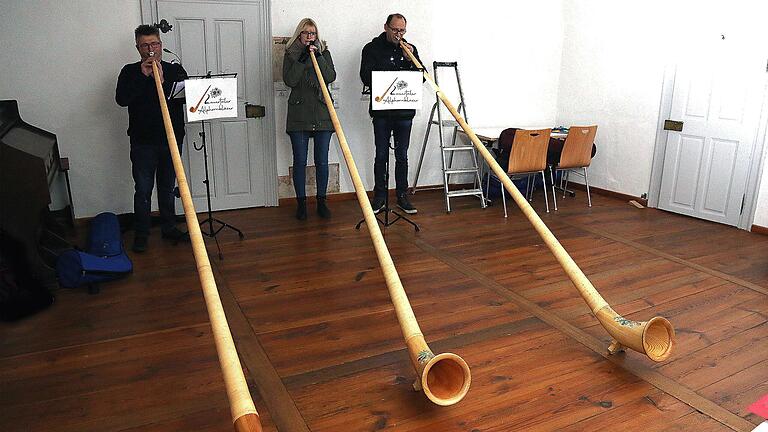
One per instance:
(760, 407)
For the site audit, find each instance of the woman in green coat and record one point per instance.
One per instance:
(307, 113)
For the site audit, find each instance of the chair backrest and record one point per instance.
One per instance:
(504, 146)
(505, 140)
(529, 151)
(577, 150)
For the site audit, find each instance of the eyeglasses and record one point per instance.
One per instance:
(396, 30)
(309, 33)
(150, 45)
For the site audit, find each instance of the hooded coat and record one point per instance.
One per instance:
(306, 106)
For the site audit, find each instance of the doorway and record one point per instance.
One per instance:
(226, 37)
(708, 169)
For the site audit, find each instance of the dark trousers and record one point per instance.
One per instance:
(383, 129)
(150, 162)
(300, 145)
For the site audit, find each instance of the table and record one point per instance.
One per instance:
(489, 135)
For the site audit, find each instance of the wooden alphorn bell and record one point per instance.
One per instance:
(244, 414)
(444, 378)
(654, 338)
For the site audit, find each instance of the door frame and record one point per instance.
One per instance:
(755, 161)
(149, 15)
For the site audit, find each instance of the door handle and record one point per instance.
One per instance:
(254, 111)
(673, 125)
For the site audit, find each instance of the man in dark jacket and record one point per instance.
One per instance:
(384, 53)
(150, 156)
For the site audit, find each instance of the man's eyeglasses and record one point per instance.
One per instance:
(309, 33)
(150, 45)
(397, 30)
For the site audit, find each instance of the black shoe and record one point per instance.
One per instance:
(301, 208)
(176, 235)
(377, 204)
(140, 243)
(405, 205)
(322, 208)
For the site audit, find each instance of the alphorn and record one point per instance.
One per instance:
(244, 414)
(445, 377)
(653, 338)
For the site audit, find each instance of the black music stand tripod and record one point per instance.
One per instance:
(210, 230)
(386, 210)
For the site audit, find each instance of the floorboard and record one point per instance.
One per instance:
(322, 351)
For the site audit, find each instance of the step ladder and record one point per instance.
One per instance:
(447, 152)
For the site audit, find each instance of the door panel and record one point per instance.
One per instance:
(687, 151)
(233, 136)
(230, 44)
(190, 44)
(697, 101)
(722, 169)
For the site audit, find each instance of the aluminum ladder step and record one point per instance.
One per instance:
(458, 148)
(461, 171)
(465, 192)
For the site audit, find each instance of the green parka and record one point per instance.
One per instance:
(306, 106)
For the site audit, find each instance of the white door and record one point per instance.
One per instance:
(223, 38)
(706, 164)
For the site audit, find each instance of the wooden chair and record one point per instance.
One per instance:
(528, 157)
(577, 154)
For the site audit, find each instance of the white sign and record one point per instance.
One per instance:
(210, 98)
(396, 90)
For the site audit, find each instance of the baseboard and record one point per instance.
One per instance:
(757, 229)
(608, 193)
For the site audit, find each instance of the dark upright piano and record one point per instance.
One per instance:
(29, 164)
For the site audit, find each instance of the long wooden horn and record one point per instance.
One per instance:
(445, 377)
(244, 414)
(653, 338)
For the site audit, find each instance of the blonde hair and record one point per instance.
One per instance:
(299, 28)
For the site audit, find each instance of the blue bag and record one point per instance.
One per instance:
(104, 260)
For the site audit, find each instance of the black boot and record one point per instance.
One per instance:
(322, 208)
(404, 204)
(301, 208)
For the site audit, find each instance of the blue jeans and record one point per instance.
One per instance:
(383, 129)
(150, 162)
(300, 144)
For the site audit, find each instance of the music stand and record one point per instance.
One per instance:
(210, 220)
(386, 211)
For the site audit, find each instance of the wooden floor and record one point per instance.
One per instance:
(323, 351)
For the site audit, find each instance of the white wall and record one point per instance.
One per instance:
(60, 61)
(611, 76)
(509, 56)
